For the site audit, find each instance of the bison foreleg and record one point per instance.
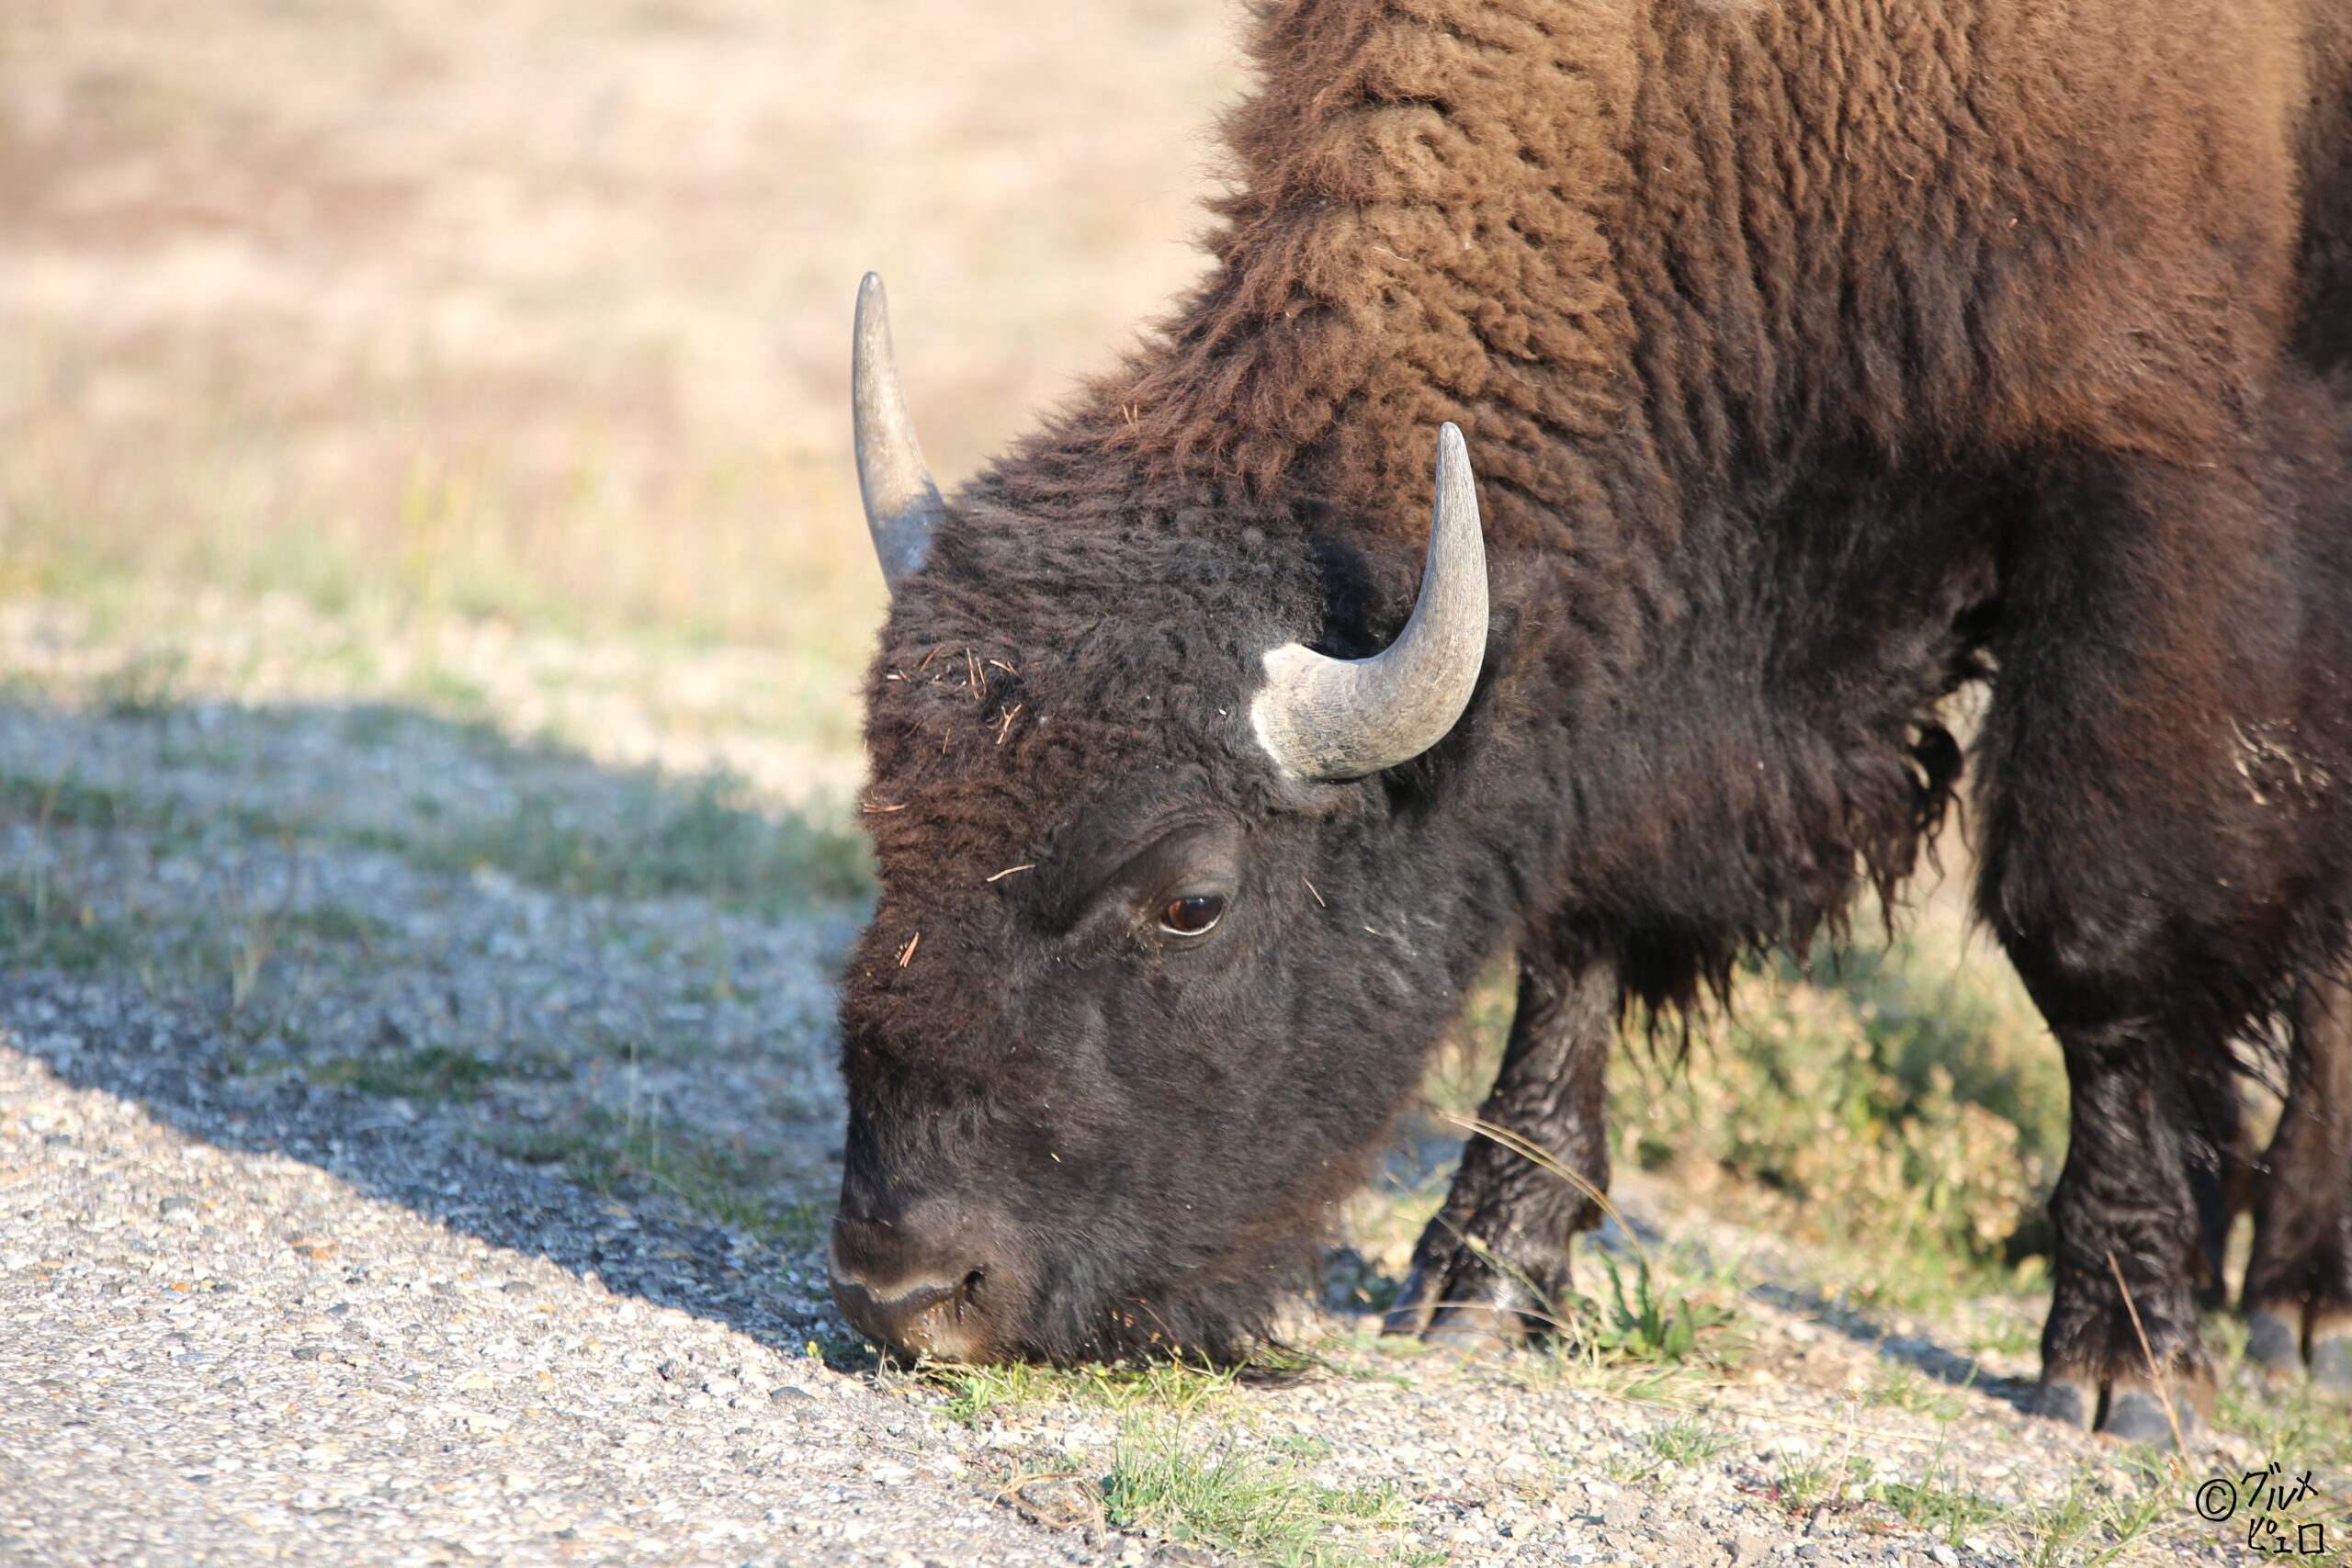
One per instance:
(1494, 1263)
(2123, 1312)
(2141, 859)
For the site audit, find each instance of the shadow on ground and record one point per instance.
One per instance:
(580, 1012)
(93, 1037)
(1916, 1350)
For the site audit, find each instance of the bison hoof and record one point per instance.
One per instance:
(2131, 1411)
(2137, 1416)
(2066, 1401)
(2273, 1343)
(1463, 1306)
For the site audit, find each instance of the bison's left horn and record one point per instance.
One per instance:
(902, 506)
(1341, 718)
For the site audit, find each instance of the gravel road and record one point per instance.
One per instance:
(257, 1321)
(287, 1327)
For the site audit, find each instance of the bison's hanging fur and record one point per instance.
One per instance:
(1816, 356)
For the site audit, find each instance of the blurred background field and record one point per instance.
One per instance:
(536, 313)
(483, 364)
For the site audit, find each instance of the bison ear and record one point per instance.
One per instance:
(1321, 718)
(902, 506)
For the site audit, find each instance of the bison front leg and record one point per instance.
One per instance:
(2147, 821)
(2299, 1280)
(1493, 1262)
(2121, 1336)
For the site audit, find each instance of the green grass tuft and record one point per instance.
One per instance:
(1687, 1439)
(1900, 1387)
(2090, 1525)
(1895, 1102)
(1937, 1503)
(1644, 1321)
(1245, 1501)
(63, 801)
(1809, 1484)
(703, 838)
(609, 1153)
(2296, 1422)
(432, 1074)
(41, 926)
(976, 1394)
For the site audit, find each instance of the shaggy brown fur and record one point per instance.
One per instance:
(1816, 356)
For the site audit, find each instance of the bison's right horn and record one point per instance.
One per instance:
(1340, 718)
(902, 506)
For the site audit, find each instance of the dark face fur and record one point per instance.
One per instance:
(1134, 1007)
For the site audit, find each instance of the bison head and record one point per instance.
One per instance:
(1166, 923)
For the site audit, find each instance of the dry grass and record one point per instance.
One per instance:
(539, 308)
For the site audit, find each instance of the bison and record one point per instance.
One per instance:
(1819, 359)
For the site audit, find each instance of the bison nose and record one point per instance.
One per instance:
(911, 1296)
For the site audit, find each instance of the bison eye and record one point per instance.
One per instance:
(1192, 917)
